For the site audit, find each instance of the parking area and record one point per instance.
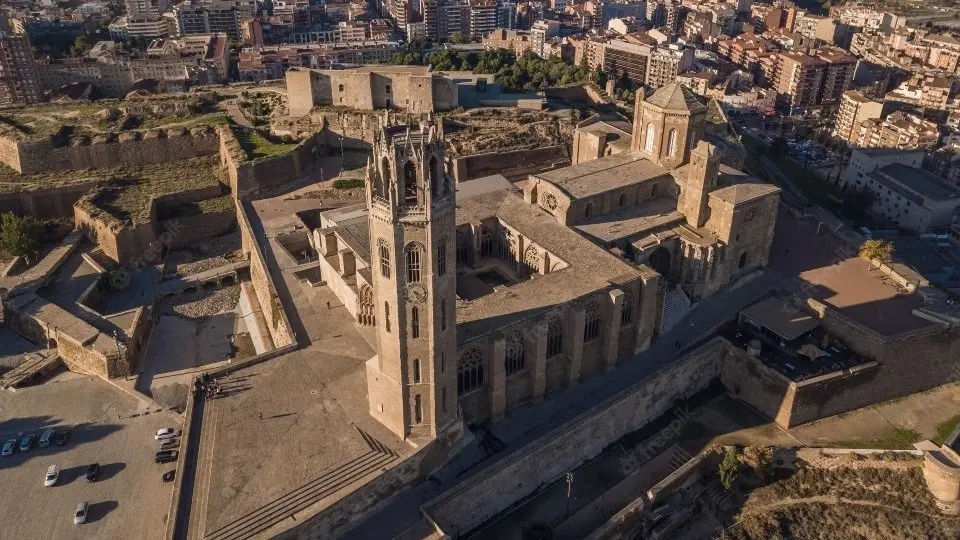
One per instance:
(109, 427)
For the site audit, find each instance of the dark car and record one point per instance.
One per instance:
(26, 443)
(62, 437)
(170, 445)
(93, 472)
(166, 456)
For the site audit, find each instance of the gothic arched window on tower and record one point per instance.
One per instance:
(365, 308)
(417, 409)
(416, 370)
(410, 191)
(626, 310)
(672, 142)
(591, 325)
(469, 371)
(648, 141)
(414, 254)
(384, 251)
(554, 337)
(513, 357)
(463, 247)
(414, 322)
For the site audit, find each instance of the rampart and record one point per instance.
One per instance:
(517, 163)
(48, 203)
(266, 291)
(131, 148)
(513, 477)
(250, 177)
(142, 243)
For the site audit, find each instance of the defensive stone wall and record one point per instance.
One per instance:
(250, 177)
(131, 148)
(266, 292)
(47, 203)
(509, 164)
(513, 477)
(122, 243)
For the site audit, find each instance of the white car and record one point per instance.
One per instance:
(52, 474)
(166, 433)
(8, 447)
(80, 516)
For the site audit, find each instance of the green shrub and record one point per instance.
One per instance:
(348, 184)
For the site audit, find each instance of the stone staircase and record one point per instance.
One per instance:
(676, 305)
(328, 483)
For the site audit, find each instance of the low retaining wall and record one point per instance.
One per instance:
(542, 461)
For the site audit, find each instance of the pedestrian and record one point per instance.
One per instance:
(328, 305)
(260, 414)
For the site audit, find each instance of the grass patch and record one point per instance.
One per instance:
(127, 198)
(256, 145)
(892, 439)
(348, 184)
(945, 429)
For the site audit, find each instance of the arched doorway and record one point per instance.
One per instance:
(660, 261)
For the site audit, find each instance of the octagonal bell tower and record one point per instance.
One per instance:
(412, 381)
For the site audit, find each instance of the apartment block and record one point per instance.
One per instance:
(899, 130)
(797, 80)
(840, 68)
(666, 63)
(855, 108)
(631, 59)
(483, 18)
(207, 17)
(19, 80)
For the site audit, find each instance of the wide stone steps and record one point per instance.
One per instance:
(334, 479)
(676, 305)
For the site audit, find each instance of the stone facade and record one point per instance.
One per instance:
(412, 379)
(108, 151)
(412, 88)
(249, 177)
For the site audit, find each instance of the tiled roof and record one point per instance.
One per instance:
(676, 97)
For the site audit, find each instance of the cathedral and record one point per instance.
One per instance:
(481, 296)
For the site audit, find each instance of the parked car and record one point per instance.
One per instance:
(26, 443)
(51, 477)
(93, 472)
(80, 516)
(171, 444)
(166, 433)
(9, 446)
(46, 438)
(166, 456)
(63, 437)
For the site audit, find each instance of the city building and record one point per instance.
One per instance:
(515, 41)
(272, 62)
(911, 198)
(540, 34)
(483, 18)
(630, 59)
(124, 28)
(798, 79)
(900, 130)
(855, 108)
(207, 17)
(19, 80)
(838, 75)
(863, 161)
(666, 63)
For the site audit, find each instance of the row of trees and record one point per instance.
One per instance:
(526, 72)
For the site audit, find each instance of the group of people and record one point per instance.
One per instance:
(210, 387)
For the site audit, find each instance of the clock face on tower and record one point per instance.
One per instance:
(416, 294)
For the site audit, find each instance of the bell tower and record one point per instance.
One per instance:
(412, 380)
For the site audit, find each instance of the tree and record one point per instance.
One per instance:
(880, 250)
(20, 236)
(729, 468)
(458, 38)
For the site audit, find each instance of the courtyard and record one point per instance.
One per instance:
(832, 273)
(109, 427)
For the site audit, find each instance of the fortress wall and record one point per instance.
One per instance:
(10, 153)
(44, 156)
(188, 231)
(509, 163)
(262, 283)
(356, 129)
(752, 382)
(47, 203)
(542, 461)
(248, 178)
